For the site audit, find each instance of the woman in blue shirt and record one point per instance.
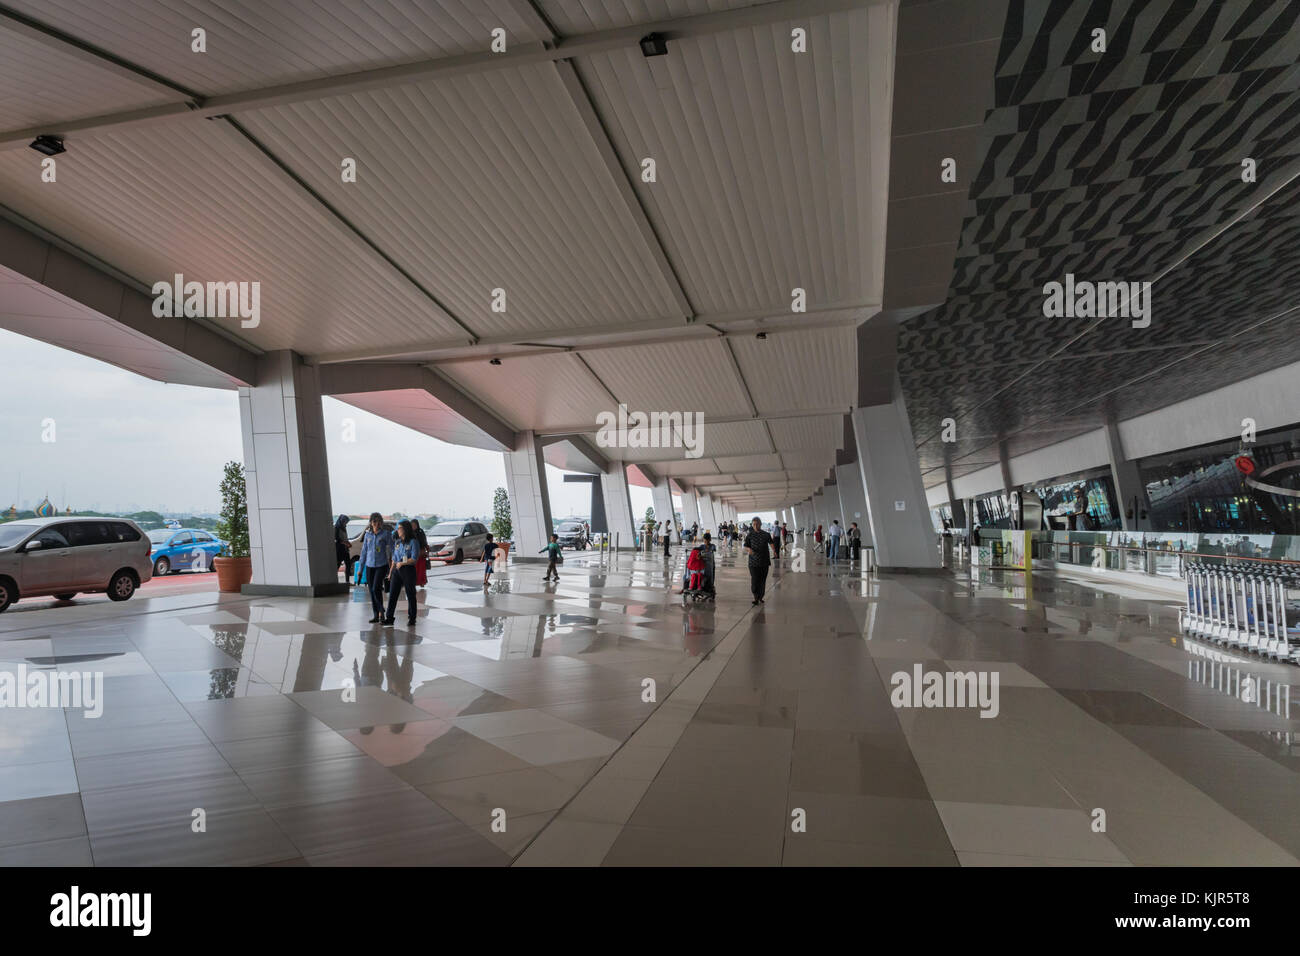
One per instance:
(376, 556)
(406, 552)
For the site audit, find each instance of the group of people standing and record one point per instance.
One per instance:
(838, 543)
(396, 560)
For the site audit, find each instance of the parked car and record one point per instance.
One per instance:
(173, 549)
(454, 541)
(65, 556)
(573, 534)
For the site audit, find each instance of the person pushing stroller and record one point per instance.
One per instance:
(703, 553)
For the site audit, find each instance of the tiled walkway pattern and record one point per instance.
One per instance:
(771, 738)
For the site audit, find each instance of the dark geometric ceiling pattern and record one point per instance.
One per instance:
(1117, 166)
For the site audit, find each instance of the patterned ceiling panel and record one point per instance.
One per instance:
(1118, 166)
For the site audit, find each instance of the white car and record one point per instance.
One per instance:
(65, 556)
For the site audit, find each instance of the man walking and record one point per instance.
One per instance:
(833, 550)
(376, 555)
(759, 545)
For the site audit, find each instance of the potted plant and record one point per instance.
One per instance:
(234, 568)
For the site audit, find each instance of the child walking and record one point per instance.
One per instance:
(489, 549)
(552, 550)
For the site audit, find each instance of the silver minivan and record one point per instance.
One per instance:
(65, 556)
(454, 541)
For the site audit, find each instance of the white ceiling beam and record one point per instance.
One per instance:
(64, 44)
(656, 331)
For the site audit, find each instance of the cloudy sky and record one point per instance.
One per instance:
(125, 443)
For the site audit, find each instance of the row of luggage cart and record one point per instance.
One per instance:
(1245, 605)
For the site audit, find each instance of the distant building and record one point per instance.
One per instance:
(45, 509)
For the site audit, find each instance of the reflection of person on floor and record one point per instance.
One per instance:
(370, 674)
(400, 674)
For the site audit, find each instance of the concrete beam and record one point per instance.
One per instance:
(358, 378)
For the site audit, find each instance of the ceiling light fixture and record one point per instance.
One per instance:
(654, 44)
(761, 335)
(49, 145)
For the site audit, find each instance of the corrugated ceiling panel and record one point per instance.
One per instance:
(731, 438)
(255, 43)
(813, 369)
(746, 463)
(824, 434)
(157, 201)
(537, 392)
(475, 183)
(672, 378)
(40, 85)
(767, 175)
(588, 16)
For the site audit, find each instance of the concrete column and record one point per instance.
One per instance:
(290, 521)
(901, 529)
(833, 510)
(708, 519)
(956, 505)
(690, 509)
(662, 497)
(819, 510)
(530, 500)
(618, 506)
(853, 499)
(1128, 481)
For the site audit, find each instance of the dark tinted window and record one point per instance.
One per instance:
(53, 537)
(85, 533)
(202, 537)
(123, 532)
(183, 538)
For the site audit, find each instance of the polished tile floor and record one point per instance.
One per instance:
(597, 721)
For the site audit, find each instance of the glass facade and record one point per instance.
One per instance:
(993, 511)
(1203, 490)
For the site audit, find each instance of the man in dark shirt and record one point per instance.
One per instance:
(759, 545)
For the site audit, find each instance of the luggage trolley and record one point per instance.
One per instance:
(1244, 605)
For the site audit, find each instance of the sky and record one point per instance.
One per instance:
(99, 438)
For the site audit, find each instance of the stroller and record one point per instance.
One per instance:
(699, 583)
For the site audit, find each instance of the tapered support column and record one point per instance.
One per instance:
(708, 518)
(853, 499)
(530, 500)
(891, 477)
(819, 510)
(290, 522)
(690, 509)
(1129, 489)
(662, 495)
(618, 506)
